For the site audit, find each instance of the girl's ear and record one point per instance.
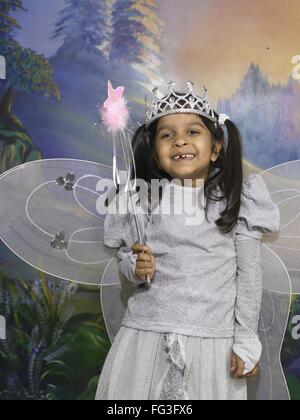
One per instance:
(217, 149)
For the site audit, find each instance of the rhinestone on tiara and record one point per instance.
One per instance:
(173, 103)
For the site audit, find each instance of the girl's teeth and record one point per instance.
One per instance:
(184, 157)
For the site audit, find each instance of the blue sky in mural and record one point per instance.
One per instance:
(38, 36)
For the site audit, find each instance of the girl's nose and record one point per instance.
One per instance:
(180, 138)
(180, 141)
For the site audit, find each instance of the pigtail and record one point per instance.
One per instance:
(230, 177)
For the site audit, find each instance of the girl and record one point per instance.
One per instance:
(193, 332)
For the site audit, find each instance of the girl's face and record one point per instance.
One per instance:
(184, 134)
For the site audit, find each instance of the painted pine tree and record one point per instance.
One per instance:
(84, 26)
(26, 71)
(124, 32)
(138, 37)
(106, 43)
(7, 23)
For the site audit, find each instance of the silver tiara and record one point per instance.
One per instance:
(173, 103)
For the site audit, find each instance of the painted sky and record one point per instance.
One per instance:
(37, 25)
(211, 42)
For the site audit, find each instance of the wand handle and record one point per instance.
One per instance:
(128, 160)
(143, 241)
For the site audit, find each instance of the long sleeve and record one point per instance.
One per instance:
(248, 302)
(258, 214)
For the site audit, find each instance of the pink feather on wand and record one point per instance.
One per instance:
(114, 114)
(114, 111)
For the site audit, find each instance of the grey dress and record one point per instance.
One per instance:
(148, 365)
(177, 337)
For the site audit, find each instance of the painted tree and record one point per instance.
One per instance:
(138, 36)
(26, 71)
(106, 44)
(85, 25)
(7, 23)
(125, 31)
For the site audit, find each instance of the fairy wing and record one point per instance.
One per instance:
(271, 383)
(281, 268)
(114, 296)
(52, 215)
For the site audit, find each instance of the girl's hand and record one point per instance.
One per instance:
(238, 366)
(145, 262)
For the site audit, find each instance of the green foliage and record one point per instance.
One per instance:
(50, 352)
(28, 71)
(16, 144)
(294, 386)
(7, 23)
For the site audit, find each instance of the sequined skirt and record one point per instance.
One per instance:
(149, 365)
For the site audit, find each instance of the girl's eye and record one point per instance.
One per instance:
(193, 132)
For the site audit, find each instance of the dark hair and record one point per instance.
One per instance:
(225, 174)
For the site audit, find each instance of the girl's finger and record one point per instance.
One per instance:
(233, 364)
(147, 250)
(252, 373)
(240, 369)
(143, 257)
(143, 272)
(137, 247)
(144, 264)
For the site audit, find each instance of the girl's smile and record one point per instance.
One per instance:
(184, 157)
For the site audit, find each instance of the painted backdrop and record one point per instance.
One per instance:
(55, 59)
